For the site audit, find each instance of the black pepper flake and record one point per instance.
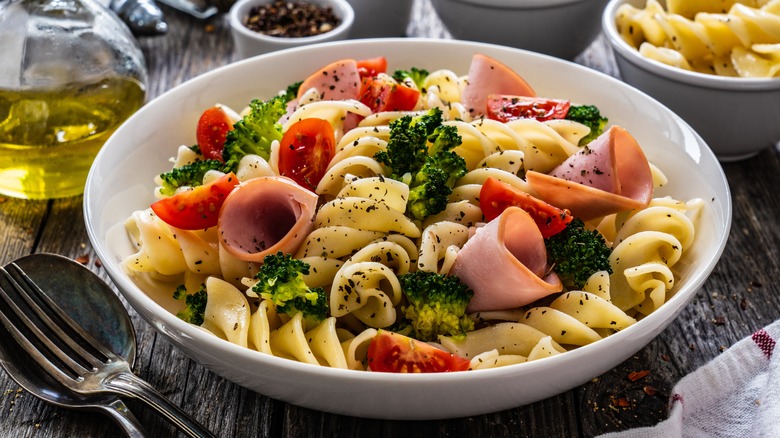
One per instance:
(288, 19)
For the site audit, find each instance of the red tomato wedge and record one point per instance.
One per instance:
(505, 108)
(372, 66)
(306, 150)
(381, 94)
(495, 196)
(211, 132)
(198, 208)
(393, 353)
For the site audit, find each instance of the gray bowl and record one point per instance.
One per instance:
(561, 28)
(737, 117)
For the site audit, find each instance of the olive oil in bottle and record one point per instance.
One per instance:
(49, 138)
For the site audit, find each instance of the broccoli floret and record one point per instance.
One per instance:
(589, 116)
(255, 132)
(280, 280)
(407, 147)
(576, 253)
(292, 91)
(436, 305)
(428, 192)
(187, 175)
(314, 310)
(195, 304)
(419, 153)
(416, 75)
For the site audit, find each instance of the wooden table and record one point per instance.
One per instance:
(740, 297)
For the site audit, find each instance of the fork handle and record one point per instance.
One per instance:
(131, 385)
(119, 412)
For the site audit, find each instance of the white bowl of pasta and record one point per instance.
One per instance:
(362, 245)
(717, 69)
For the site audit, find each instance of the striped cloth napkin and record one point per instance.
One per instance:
(737, 395)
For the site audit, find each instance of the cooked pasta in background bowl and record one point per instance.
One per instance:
(311, 259)
(715, 63)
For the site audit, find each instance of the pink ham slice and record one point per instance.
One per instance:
(505, 264)
(338, 80)
(610, 175)
(264, 215)
(488, 76)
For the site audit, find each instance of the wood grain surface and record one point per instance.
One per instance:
(739, 298)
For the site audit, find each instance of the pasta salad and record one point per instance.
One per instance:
(411, 221)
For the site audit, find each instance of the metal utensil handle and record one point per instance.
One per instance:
(119, 412)
(131, 385)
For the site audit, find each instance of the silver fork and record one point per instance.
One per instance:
(75, 358)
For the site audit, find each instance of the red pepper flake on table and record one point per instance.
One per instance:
(289, 19)
(636, 375)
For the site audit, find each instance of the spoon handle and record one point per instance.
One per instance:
(119, 412)
(131, 385)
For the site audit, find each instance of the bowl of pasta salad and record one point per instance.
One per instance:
(407, 228)
(716, 66)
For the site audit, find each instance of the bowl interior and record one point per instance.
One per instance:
(121, 181)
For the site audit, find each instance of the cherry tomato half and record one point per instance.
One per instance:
(198, 208)
(306, 150)
(371, 67)
(211, 132)
(505, 108)
(495, 196)
(393, 353)
(381, 94)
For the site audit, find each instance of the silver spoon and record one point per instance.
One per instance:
(97, 308)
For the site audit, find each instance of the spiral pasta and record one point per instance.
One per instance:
(734, 38)
(362, 240)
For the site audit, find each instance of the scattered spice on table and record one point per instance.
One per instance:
(290, 19)
(636, 375)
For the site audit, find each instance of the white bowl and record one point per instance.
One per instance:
(562, 28)
(380, 18)
(121, 181)
(250, 43)
(737, 117)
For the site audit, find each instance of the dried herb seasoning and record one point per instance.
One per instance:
(288, 19)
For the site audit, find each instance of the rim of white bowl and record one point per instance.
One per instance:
(340, 7)
(632, 55)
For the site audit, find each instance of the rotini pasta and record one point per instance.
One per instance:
(363, 239)
(732, 38)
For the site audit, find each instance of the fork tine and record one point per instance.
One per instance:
(34, 351)
(78, 361)
(103, 353)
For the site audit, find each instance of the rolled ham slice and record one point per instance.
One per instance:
(611, 174)
(264, 215)
(505, 264)
(339, 80)
(488, 76)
